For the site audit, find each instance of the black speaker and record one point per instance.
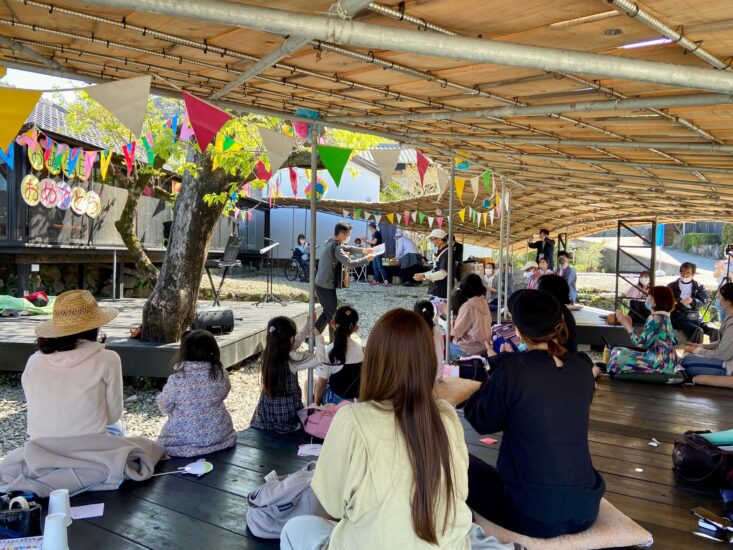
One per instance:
(217, 320)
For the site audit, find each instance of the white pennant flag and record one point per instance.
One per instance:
(367, 215)
(431, 219)
(443, 182)
(414, 216)
(346, 213)
(491, 216)
(278, 147)
(377, 217)
(478, 221)
(125, 99)
(386, 160)
(474, 187)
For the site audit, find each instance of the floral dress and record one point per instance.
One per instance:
(658, 338)
(198, 421)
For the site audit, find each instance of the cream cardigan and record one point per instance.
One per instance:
(72, 393)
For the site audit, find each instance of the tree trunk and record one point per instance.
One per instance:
(127, 228)
(172, 306)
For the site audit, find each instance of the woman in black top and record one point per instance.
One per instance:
(544, 484)
(560, 290)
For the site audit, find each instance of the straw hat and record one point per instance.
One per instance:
(75, 311)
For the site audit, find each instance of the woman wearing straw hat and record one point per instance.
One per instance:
(73, 385)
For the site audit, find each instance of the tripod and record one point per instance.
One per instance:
(269, 297)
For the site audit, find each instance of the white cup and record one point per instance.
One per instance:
(54, 533)
(58, 503)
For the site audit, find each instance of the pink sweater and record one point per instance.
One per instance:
(472, 327)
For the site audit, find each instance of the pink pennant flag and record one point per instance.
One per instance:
(29, 138)
(249, 215)
(440, 222)
(129, 152)
(422, 166)
(262, 172)
(406, 217)
(90, 157)
(186, 130)
(206, 120)
(293, 181)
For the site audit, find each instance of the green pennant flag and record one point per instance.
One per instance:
(487, 181)
(421, 216)
(228, 142)
(357, 213)
(334, 159)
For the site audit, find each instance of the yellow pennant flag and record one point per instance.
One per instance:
(15, 106)
(2, 69)
(460, 184)
(462, 213)
(390, 217)
(485, 215)
(218, 151)
(105, 157)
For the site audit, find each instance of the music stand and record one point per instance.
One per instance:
(231, 251)
(269, 296)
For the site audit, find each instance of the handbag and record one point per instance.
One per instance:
(697, 460)
(317, 419)
(473, 368)
(23, 521)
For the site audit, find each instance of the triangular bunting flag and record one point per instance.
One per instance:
(15, 106)
(431, 219)
(206, 120)
(462, 214)
(406, 217)
(478, 221)
(484, 216)
(421, 216)
(440, 222)
(129, 152)
(173, 125)
(293, 181)
(414, 216)
(90, 157)
(390, 217)
(278, 146)
(29, 139)
(443, 182)
(262, 172)
(148, 144)
(422, 166)
(334, 159)
(249, 215)
(74, 155)
(186, 130)
(367, 215)
(8, 156)
(487, 180)
(357, 213)
(345, 213)
(491, 216)
(386, 161)
(460, 184)
(474, 187)
(229, 143)
(125, 99)
(377, 218)
(104, 159)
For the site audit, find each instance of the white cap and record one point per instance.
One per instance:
(438, 234)
(398, 234)
(530, 265)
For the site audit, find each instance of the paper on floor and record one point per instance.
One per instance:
(88, 511)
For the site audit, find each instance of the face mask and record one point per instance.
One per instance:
(489, 271)
(562, 261)
(648, 305)
(686, 279)
(644, 281)
(346, 240)
(528, 274)
(522, 346)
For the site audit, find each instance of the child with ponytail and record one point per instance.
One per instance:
(339, 377)
(281, 397)
(426, 310)
(540, 399)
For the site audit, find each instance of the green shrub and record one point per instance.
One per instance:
(726, 238)
(696, 239)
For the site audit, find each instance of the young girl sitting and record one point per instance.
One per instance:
(281, 397)
(339, 377)
(193, 398)
(425, 309)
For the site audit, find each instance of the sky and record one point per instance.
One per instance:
(35, 81)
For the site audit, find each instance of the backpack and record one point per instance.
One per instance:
(281, 498)
(317, 419)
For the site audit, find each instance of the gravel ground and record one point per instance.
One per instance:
(142, 416)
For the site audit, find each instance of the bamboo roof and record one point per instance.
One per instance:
(575, 185)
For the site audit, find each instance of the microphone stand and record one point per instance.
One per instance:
(269, 297)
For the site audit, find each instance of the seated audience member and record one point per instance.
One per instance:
(567, 272)
(636, 298)
(408, 257)
(471, 330)
(544, 484)
(426, 310)
(339, 377)
(193, 398)
(657, 337)
(715, 358)
(689, 296)
(73, 385)
(492, 280)
(529, 270)
(392, 471)
(302, 252)
(723, 274)
(542, 269)
(281, 398)
(558, 287)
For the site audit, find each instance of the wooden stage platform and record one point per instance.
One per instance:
(186, 512)
(17, 336)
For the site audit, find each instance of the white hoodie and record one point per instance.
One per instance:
(75, 392)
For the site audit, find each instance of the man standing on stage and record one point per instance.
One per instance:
(334, 255)
(438, 277)
(545, 248)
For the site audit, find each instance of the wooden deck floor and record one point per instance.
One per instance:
(185, 512)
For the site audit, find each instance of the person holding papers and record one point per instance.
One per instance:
(438, 277)
(379, 272)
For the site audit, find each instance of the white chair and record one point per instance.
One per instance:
(359, 274)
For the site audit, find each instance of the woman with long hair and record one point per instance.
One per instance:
(392, 470)
(472, 328)
(544, 484)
